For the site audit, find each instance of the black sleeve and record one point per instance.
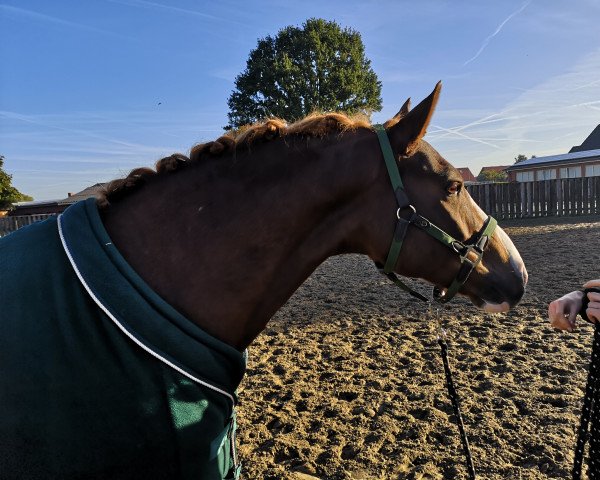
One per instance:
(585, 301)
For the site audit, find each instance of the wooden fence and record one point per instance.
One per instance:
(548, 198)
(10, 224)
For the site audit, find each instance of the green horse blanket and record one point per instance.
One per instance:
(99, 377)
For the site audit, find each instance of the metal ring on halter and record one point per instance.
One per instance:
(458, 246)
(402, 208)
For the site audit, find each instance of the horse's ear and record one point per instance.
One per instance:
(412, 127)
(403, 110)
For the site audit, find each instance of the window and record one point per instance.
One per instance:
(547, 174)
(592, 170)
(570, 172)
(525, 176)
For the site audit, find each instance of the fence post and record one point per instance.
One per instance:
(559, 197)
(536, 199)
(569, 196)
(551, 197)
(575, 196)
(543, 199)
(512, 192)
(595, 192)
(535, 187)
(585, 200)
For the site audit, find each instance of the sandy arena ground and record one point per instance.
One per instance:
(347, 381)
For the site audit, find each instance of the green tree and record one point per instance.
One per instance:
(319, 67)
(520, 158)
(8, 193)
(492, 176)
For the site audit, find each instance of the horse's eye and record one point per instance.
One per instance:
(453, 188)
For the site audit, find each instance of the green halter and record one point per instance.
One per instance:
(470, 254)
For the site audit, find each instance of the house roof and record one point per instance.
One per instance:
(466, 174)
(85, 193)
(592, 142)
(583, 156)
(54, 206)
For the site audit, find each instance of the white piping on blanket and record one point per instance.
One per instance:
(124, 330)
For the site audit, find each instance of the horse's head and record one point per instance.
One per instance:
(436, 191)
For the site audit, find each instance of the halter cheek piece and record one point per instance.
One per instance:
(470, 253)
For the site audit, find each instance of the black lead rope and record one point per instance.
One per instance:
(452, 393)
(592, 390)
(470, 256)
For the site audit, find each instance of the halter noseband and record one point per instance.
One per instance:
(470, 254)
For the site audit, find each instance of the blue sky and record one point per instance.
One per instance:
(90, 89)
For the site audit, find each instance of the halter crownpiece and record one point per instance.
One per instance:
(470, 254)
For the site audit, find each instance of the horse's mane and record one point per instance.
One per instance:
(314, 125)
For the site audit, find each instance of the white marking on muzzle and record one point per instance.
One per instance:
(515, 258)
(496, 308)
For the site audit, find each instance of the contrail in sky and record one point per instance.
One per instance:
(32, 15)
(487, 40)
(161, 6)
(145, 3)
(457, 133)
(29, 119)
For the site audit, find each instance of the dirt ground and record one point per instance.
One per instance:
(347, 381)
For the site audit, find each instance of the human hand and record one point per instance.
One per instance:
(593, 308)
(563, 311)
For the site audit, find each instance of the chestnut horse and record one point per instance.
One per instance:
(217, 243)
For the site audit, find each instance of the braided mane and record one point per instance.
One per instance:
(314, 125)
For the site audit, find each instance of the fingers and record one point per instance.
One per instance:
(593, 310)
(573, 317)
(593, 314)
(559, 316)
(562, 323)
(562, 312)
(592, 283)
(593, 297)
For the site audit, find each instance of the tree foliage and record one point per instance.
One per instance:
(520, 158)
(8, 193)
(319, 67)
(492, 176)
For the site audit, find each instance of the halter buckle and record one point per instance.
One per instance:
(464, 258)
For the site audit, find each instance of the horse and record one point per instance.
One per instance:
(125, 320)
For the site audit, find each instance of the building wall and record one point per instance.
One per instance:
(571, 170)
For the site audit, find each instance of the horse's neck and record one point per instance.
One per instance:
(228, 252)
